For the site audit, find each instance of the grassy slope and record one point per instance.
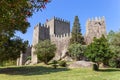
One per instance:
(48, 73)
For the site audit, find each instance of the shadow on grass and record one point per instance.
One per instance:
(109, 70)
(30, 70)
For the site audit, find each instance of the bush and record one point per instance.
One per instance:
(114, 63)
(95, 67)
(62, 63)
(54, 64)
(28, 58)
(45, 50)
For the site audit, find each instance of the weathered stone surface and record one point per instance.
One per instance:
(95, 28)
(67, 58)
(81, 64)
(23, 57)
(58, 31)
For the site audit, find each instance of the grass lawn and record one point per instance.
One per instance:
(39, 72)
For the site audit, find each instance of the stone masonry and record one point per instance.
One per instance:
(58, 32)
(95, 28)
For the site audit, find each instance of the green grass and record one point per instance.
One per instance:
(39, 72)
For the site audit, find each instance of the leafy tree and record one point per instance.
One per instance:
(99, 51)
(13, 17)
(45, 50)
(114, 41)
(11, 50)
(76, 50)
(76, 32)
(14, 14)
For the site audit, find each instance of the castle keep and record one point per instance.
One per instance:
(58, 32)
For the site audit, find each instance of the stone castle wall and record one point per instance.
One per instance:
(58, 31)
(62, 43)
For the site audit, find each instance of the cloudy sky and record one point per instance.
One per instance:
(84, 9)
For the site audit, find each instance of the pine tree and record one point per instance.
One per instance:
(76, 32)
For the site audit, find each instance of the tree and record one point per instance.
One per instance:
(45, 50)
(114, 41)
(11, 50)
(99, 51)
(14, 14)
(76, 32)
(76, 50)
(13, 17)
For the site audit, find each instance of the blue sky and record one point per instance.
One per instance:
(84, 9)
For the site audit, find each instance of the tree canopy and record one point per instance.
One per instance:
(11, 50)
(13, 17)
(114, 40)
(45, 50)
(99, 51)
(14, 14)
(76, 51)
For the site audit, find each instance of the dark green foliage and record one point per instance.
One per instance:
(95, 67)
(45, 50)
(12, 48)
(13, 18)
(113, 63)
(99, 51)
(76, 32)
(62, 63)
(76, 51)
(114, 40)
(8, 63)
(14, 14)
(55, 64)
(29, 58)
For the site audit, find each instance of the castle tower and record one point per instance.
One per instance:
(41, 32)
(57, 30)
(34, 42)
(58, 26)
(59, 35)
(95, 28)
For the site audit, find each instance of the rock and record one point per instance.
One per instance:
(81, 64)
(27, 62)
(67, 58)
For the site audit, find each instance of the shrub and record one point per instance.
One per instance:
(29, 58)
(114, 63)
(54, 64)
(62, 63)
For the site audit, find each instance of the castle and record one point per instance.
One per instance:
(57, 30)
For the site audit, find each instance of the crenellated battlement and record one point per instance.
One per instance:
(61, 36)
(95, 27)
(61, 20)
(41, 26)
(96, 19)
